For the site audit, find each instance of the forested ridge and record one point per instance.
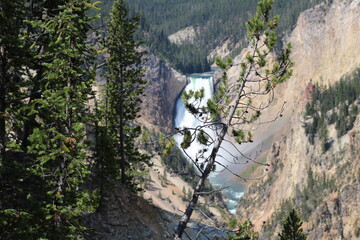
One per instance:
(216, 21)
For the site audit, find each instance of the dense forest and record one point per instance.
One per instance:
(62, 147)
(216, 22)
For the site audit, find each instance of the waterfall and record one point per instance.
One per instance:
(184, 118)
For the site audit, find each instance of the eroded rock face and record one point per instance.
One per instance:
(325, 47)
(186, 35)
(326, 40)
(123, 215)
(165, 85)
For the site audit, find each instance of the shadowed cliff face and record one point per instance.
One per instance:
(123, 215)
(325, 47)
(164, 86)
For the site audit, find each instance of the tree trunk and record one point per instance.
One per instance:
(2, 121)
(211, 162)
(200, 186)
(121, 129)
(2, 104)
(29, 123)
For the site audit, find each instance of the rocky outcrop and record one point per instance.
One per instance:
(125, 216)
(223, 51)
(325, 47)
(164, 86)
(326, 40)
(186, 35)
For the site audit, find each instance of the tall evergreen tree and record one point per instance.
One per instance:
(12, 53)
(41, 194)
(124, 88)
(292, 228)
(37, 11)
(12, 69)
(56, 145)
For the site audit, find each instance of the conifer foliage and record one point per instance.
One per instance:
(292, 228)
(11, 59)
(233, 106)
(47, 70)
(58, 141)
(124, 88)
(49, 173)
(245, 231)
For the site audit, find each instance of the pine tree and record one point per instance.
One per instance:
(38, 43)
(57, 141)
(41, 193)
(12, 54)
(292, 228)
(245, 232)
(124, 89)
(13, 63)
(233, 104)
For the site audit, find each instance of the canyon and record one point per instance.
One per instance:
(325, 48)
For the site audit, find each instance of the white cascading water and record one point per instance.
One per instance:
(184, 118)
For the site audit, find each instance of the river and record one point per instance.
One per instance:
(230, 154)
(184, 118)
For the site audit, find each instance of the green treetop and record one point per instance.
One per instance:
(292, 228)
(57, 140)
(123, 92)
(12, 53)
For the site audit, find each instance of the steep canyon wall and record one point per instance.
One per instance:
(164, 86)
(326, 46)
